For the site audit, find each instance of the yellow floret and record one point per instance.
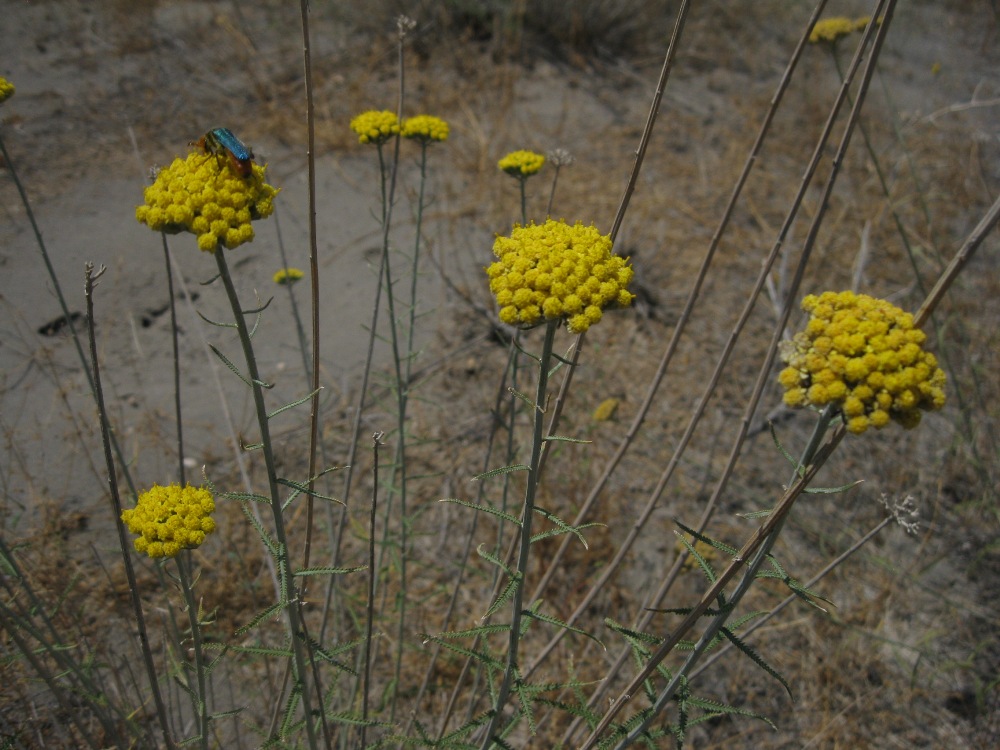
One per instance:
(425, 128)
(169, 519)
(200, 194)
(857, 425)
(288, 276)
(549, 268)
(375, 127)
(831, 29)
(521, 163)
(862, 355)
(6, 89)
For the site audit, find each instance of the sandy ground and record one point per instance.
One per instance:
(108, 89)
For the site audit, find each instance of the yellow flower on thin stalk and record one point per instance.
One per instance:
(203, 194)
(521, 164)
(6, 89)
(375, 127)
(556, 271)
(169, 519)
(832, 29)
(425, 128)
(863, 356)
(288, 276)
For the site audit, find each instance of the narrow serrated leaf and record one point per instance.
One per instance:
(477, 631)
(293, 404)
(502, 470)
(565, 439)
(483, 508)
(833, 490)
(504, 596)
(721, 546)
(248, 496)
(329, 571)
(562, 526)
(800, 470)
(260, 617)
(235, 370)
(523, 397)
(565, 626)
(303, 489)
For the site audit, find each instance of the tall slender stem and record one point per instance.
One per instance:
(116, 504)
(200, 696)
(372, 572)
(285, 567)
(520, 572)
(177, 364)
(313, 277)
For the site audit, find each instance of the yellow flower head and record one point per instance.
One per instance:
(605, 410)
(6, 89)
(831, 29)
(556, 271)
(288, 276)
(521, 163)
(204, 195)
(169, 519)
(425, 128)
(375, 127)
(864, 356)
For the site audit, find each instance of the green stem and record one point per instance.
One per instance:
(199, 697)
(177, 363)
(291, 605)
(403, 395)
(520, 572)
(522, 180)
(552, 193)
(372, 572)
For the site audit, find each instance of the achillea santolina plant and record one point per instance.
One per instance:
(831, 29)
(556, 271)
(169, 519)
(521, 163)
(203, 195)
(863, 356)
(6, 89)
(288, 276)
(425, 128)
(375, 126)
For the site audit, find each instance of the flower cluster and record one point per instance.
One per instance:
(204, 195)
(6, 89)
(521, 163)
(375, 127)
(554, 270)
(169, 519)
(288, 276)
(605, 410)
(425, 128)
(864, 356)
(831, 29)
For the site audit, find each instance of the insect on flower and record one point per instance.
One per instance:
(222, 142)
